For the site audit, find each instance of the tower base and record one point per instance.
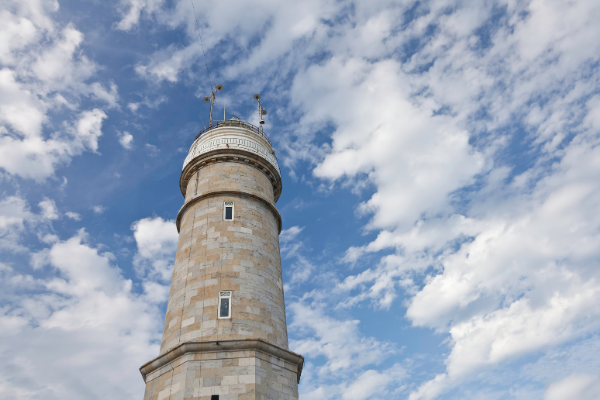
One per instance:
(233, 369)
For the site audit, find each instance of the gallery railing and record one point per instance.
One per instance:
(234, 122)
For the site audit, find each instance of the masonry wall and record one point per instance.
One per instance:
(233, 375)
(236, 176)
(214, 255)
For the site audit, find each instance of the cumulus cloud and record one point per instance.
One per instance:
(49, 210)
(14, 214)
(496, 250)
(289, 234)
(581, 387)
(499, 253)
(82, 316)
(43, 70)
(126, 140)
(513, 254)
(291, 248)
(346, 351)
(17, 219)
(73, 215)
(98, 209)
(283, 25)
(132, 9)
(512, 251)
(339, 341)
(34, 157)
(152, 150)
(373, 383)
(72, 315)
(156, 241)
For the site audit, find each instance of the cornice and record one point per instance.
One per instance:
(219, 346)
(231, 155)
(232, 137)
(216, 193)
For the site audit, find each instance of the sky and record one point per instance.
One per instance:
(441, 188)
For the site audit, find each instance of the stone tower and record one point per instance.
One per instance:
(225, 334)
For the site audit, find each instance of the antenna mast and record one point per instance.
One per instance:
(261, 111)
(211, 99)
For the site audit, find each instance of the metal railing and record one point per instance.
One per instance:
(233, 122)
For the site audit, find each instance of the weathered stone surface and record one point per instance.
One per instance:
(233, 375)
(213, 255)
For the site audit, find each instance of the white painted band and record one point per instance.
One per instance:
(227, 138)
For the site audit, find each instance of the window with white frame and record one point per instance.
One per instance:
(224, 305)
(228, 211)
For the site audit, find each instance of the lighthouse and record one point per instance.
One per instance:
(225, 334)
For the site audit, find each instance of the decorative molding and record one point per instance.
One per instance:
(231, 155)
(219, 346)
(232, 140)
(216, 193)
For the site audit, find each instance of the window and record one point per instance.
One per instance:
(224, 305)
(228, 211)
(214, 397)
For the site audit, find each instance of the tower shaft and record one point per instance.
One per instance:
(225, 329)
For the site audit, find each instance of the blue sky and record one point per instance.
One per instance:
(441, 188)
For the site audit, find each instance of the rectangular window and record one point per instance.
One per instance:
(224, 305)
(214, 397)
(228, 211)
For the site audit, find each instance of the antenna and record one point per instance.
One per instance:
(261, 111)
(211, 99)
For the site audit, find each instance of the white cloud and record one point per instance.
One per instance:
(152, 150)
(282, 24)
(509, 259)
(88, 128)
(132, 10)
(498, 254)
(369, 384)
(578, 357)
(109, 96)
(289, 234)
(98, 209)
(427, 157)
(81, 317)
(49, 210)
(301, 269)
(514, 259)
(580, 387)
(16, 219)
(37, 158)
(373, 383)
(150, 102)
(526, 281)
(156, 240)
(289, 244)
(57, 65)
(346, 351)
(14, 214)
(43, 70)
(126, 140)
(73, 215)
(339, 342)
